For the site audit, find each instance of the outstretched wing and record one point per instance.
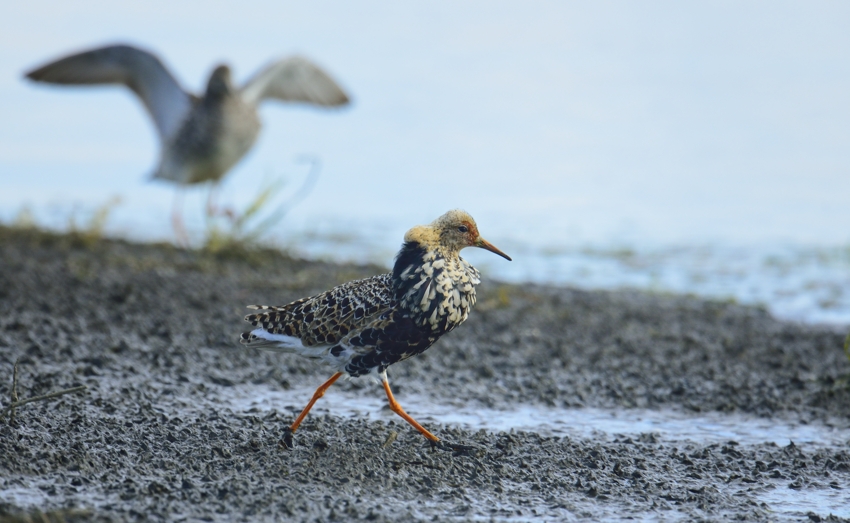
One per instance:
(139, 70)
(294, 79)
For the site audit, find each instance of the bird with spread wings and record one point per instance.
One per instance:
(201, 137)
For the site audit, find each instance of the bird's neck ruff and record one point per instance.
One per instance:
(410, 257)
(435, 290)
(429, 238)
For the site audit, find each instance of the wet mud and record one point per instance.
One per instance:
(151, 331)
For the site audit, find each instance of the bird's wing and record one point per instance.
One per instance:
(139, 70)
(327, 317)
(294, 79)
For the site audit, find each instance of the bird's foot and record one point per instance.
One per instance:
(286, 441)
(222, 212)
(459, 450)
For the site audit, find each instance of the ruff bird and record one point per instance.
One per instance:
(201, 137)
(362, 327)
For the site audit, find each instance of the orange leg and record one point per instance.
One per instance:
(395, 407)
(316, 395)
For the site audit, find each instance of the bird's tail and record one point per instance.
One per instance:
(265, 338)
(256, 340)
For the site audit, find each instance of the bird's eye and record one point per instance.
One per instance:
(463, 228)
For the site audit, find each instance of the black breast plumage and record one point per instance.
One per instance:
(431, 296)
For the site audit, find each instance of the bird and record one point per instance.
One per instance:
(362, 327)
(201, 137)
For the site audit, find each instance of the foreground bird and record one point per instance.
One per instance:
(362, 327)
(201, 137)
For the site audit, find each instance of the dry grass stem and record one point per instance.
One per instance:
(14, 395)
(51, 395)
(239, 234)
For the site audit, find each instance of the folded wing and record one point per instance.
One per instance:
(321, 320)
(141, 71)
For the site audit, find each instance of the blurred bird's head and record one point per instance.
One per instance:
(219, 84)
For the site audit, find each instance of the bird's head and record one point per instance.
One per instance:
(450, 233)
(219, 84)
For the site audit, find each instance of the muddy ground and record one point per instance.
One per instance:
(151, 331)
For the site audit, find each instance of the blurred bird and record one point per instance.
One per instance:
(362, 327)
(201, 137)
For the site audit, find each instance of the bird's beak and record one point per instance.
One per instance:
(484, 244)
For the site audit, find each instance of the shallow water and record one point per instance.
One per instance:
(794, 282)
(798, 502)
(23, 496)
(672, 425)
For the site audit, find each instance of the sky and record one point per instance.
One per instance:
(553, 123)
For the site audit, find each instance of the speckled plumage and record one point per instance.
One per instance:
(364, 326)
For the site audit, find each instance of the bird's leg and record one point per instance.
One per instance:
(287, 437)
(456, 449)
(395, 407)
(177, 219)
(212, 208)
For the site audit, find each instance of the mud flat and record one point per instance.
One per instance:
(582, 405)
